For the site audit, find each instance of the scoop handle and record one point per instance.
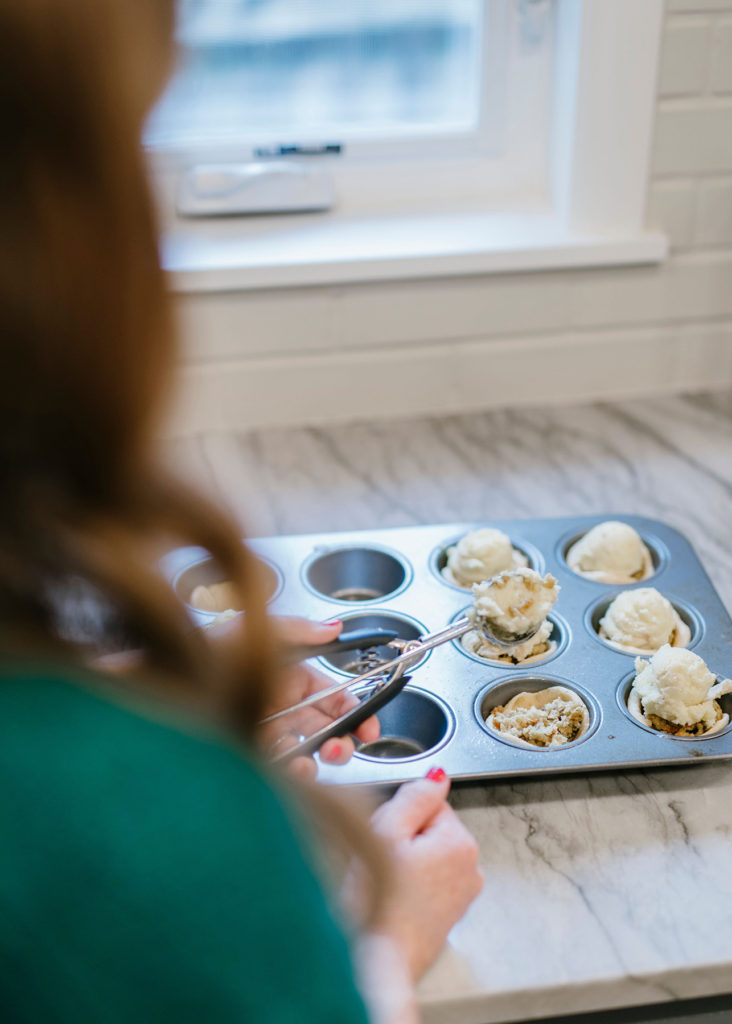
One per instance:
(354, 640)
(351, 720)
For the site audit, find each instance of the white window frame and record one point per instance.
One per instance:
(412, 173)
(607, 56)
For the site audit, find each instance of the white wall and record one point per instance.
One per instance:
(448, 345)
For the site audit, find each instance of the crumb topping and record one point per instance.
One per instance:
(674, 729)
(558, 722)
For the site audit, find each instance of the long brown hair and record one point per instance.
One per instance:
(87, 341)
(86, 352)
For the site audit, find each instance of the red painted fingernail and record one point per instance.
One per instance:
(436, 775)
(332, 622)
(335, 751)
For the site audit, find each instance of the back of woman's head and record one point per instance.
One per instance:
(85, 333)
(86, 344)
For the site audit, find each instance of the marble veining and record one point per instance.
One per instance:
(601, 890)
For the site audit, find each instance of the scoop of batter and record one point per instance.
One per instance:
(611, 552)
(641, 621)
(513, 603)
(676, 686)
(479, 555)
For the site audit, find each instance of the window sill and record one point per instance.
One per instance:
(310, 250)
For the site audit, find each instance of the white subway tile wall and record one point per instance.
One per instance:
(693, 136)
(672, 205)
(714, 223)
(693, 139)
(684, 56)
(721, 72)
(458, 344)
(693, 6)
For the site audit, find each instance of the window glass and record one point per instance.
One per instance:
(294, 71)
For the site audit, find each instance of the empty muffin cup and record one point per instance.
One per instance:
(690, 620)
(412, 724)
(207, 572)
(357, 661)
(537, 713)
(356, 574)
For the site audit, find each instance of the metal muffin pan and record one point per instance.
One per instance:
(438, 719)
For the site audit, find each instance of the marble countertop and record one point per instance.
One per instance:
(601, 890)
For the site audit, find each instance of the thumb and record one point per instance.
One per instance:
(412, 808)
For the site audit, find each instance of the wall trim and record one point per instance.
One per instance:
(462, 376)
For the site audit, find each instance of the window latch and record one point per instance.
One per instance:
(326, 149)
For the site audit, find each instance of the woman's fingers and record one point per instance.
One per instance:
(300, 681)
(337, 750)
(369, 730)
(303, 768)
(412, 808)
(293, 630)
(333, 751)
(437, 865)
(308, 681)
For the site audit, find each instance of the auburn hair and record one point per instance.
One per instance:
(87, 351)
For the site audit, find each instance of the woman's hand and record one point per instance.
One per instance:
(300, 681)
(297, 682)
(437, 868)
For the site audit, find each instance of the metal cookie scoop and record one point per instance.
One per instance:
(388, 680)
(411, 651)
(496, 634)
(387, 677)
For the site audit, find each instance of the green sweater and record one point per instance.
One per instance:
(150, 874)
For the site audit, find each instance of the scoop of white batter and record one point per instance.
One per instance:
(641, 621)
(517, 601)
(479, 555)
(611, 552)
(677, 685)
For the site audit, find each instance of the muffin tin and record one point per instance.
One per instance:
(391, 578)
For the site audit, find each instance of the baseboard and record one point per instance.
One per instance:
(451, 377)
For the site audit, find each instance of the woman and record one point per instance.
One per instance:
(150, 868)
